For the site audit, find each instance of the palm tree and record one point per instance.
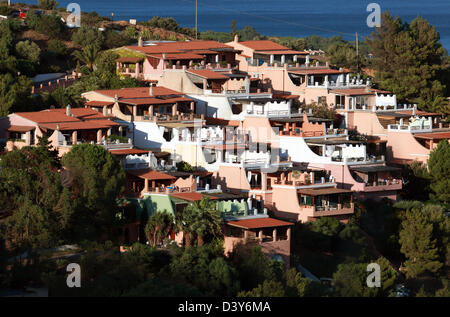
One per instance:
(202, 219)
(88, 55)
(159, 226)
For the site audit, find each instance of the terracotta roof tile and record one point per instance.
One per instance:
(20, 128)
(178, 56)
(259, 223)
(140, 92)
(81, 125)
(128, 152)
(264, 45)
(359, 91)
(434, 136)
(318, 71)
(151, 174)
(94, 103)
(192, 196)
(206, 73)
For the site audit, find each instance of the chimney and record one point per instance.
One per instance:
(68, 111)
(236, 38)
(150, 90)
(140, 42)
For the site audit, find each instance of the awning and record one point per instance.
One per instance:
(128, 152)
(375, 168)
(323, 191)
(433, 136)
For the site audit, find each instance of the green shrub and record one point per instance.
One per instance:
(115, 137)
(48, 4)
(57, 48)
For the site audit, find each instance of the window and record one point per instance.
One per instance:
(322, 100)
(340, 101)
(361, 101)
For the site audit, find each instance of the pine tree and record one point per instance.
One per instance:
(439, 165)
(418, 244)
(409, 61)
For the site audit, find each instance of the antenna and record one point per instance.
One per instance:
(196, 19)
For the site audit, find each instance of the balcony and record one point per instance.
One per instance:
(169, 117)
(383, 185)
(329, 210)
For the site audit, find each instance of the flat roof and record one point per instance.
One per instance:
(374, 168)
(257, 223)
(323, 191)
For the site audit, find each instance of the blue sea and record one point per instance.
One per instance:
(297, 18)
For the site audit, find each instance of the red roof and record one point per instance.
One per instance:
(434, 136)
(192, 196)
(83, 113)
(80, 125)
(151, 175)
(206, 73)
(20, 128)
(94, 103)
(259, 223)
(264, 45)
(177, 47)
(140, 92)
(47, 116)
(359, 91)
(128, 152)
(319, 71)
(178, 56)
(282, 52)
(152, 101)
(223, 122)
(132, 60)
(419, 113)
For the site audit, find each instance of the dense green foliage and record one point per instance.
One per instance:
(439, 165)
(200, 220)
(98, 179)
(409, 61)
(48, 4)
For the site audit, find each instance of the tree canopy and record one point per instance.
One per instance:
(409, 61)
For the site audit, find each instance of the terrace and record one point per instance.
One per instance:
(331, 201)
(377, 177)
